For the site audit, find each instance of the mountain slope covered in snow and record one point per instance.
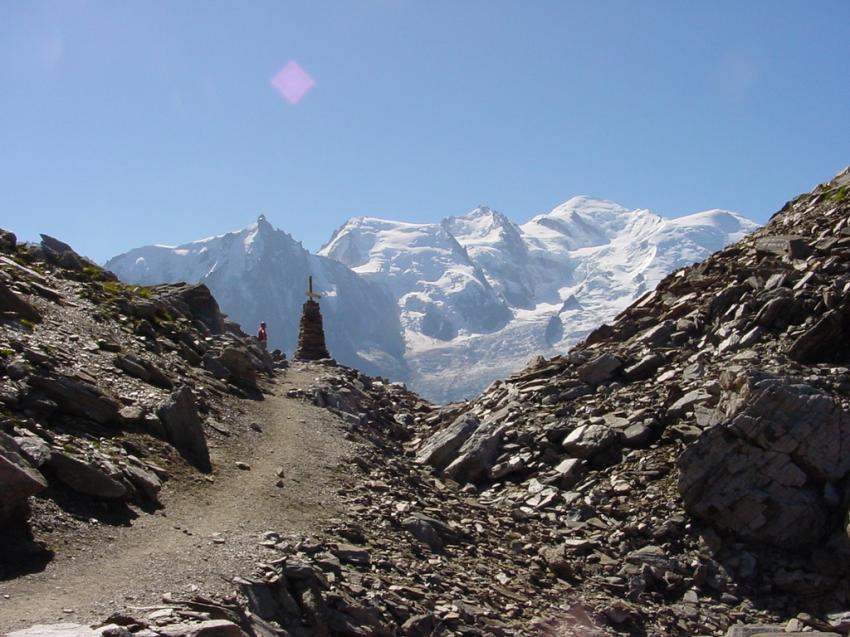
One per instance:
(447, 307)
(500, 293)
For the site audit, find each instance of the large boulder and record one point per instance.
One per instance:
(18, 480)
(60, 253)
(600, 369)
(766, 474)
(75, 397)
(824, 341)
(478, 454)
(143, 370)
(441, 448)
(183, 427)
(86, 477)
(195, 301)
(587, 440)
(240, 365)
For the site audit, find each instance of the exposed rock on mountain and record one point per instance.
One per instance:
(260, 274)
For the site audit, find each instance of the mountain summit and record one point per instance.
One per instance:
(479, 295)
(451, 306)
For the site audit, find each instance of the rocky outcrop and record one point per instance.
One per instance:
(87, 478)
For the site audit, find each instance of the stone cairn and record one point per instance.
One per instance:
(311, 337)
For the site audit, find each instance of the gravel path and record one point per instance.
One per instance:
(207, 531)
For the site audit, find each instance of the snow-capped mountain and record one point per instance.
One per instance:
(260, 273)
(501, 293)
(447, 307)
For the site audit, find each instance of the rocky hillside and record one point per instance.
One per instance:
(690, 459)
(106, 390)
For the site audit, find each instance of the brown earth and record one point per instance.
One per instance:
(208, 529)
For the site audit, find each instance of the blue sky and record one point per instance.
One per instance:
(128, 123)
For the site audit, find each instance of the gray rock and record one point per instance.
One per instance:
(637, 436)
(143, 370)
(240, 366)
(600, 369)
(643, 369)
(478, 454)
(145, 481)
(569, 471)
(442, 447)
(427, 530)
(793, 246)
(85, 478)
(822, 342)
(350, 554)
(18, 480)
(18, 369)
(34, 449)
(8, 240)
(588, 440)
(11, 302)
(208, 628)
(183, 427)
(752, 476)
(78, 398)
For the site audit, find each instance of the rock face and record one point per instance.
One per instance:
(183, 427)
(311, 337)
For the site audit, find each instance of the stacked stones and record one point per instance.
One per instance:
(311, 338)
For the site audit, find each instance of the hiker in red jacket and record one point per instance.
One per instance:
(263, 336)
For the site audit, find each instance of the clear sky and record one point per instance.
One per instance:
(136, 122)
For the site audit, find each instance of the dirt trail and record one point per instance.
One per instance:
(206, 532)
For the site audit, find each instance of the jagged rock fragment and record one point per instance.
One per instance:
(183, 427)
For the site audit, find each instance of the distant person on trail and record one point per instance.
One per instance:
(263, 336)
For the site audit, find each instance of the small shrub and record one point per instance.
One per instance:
(5, 352)
(144, 293)
(28, 324)
(112, 288)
